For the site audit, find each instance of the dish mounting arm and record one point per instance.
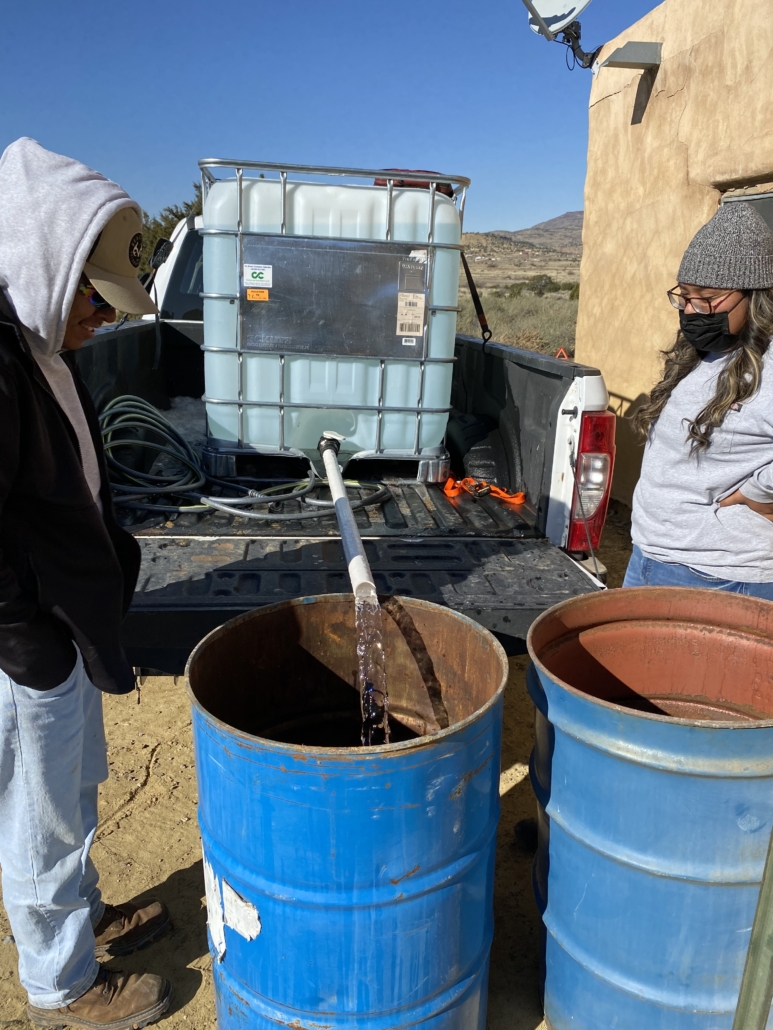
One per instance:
(571, 37)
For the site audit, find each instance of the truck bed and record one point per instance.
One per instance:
(191, 584)
(481, 557)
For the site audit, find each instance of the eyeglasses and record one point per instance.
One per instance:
(89, 291)
(701, 305)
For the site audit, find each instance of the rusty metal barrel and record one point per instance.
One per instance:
(348, 886)
(653, 771)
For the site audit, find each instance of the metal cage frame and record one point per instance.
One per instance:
(459, 185)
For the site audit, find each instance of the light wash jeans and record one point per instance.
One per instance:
(647, 572)
(52, 756)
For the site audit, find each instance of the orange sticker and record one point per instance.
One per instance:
(257, 294)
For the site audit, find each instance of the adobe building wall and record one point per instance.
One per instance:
(663, 147)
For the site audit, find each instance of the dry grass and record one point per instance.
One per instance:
(536, 323)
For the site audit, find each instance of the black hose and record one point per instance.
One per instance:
(137, 490)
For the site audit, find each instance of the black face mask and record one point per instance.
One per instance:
(708, 334)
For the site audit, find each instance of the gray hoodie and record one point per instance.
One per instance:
(52, 210)
(676, 513)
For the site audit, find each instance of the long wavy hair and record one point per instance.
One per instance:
(737, 382)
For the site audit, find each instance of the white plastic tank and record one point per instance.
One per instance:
(330, 385)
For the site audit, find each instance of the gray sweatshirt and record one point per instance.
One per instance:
(676, 515)
(52, 209)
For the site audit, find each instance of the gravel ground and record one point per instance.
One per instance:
(148, 844)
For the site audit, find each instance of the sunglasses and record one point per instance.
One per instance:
(98, 301)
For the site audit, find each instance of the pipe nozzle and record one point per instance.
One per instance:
(330, 441)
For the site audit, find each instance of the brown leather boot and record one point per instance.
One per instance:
(124, 929)
(115, 1001)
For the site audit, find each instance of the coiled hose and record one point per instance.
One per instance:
(121, 418)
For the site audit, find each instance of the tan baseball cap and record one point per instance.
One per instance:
(112, 265)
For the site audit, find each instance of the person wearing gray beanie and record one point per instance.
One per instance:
(732, 251)
(703, 506)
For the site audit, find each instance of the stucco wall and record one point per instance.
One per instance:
(662, 149)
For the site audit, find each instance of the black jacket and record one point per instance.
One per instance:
(67, 571)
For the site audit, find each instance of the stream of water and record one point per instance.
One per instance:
(371, 674)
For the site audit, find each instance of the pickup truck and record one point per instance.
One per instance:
(521, 420)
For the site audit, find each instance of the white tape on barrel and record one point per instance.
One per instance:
(240, 915)
(214, 910)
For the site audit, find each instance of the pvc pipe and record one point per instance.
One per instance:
(359, 569)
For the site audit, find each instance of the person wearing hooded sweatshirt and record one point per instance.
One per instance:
(70, 247)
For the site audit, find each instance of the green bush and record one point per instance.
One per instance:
(539, 285)
(510, 292)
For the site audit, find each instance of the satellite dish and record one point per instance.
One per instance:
(558, 18)
(555, 14)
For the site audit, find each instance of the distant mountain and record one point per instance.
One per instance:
(569, 220)
(551, 248)
(561, 233)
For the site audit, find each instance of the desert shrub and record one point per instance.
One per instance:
(510, 292)
(539, 285)
(541, 323)
(542, 284)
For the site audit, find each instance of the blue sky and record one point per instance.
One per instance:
(142, 90)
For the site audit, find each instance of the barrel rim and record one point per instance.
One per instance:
(378, 750)
(733, 600)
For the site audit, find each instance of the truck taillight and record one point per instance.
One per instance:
(593, 475)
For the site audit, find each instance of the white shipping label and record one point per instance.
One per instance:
(240, 915)
(410, 313)
(258, 275)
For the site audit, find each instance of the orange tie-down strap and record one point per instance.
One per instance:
(480, 488)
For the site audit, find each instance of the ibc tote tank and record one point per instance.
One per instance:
(329, 306)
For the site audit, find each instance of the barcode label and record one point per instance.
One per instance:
(410, 313)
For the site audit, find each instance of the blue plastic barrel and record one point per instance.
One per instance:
(348, 886)
(653, 771)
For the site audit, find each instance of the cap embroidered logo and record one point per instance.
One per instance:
(135, 249)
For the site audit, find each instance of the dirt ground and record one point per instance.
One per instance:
(148, 844)
(615, 547)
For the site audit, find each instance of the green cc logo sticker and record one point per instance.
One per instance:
(258, 275)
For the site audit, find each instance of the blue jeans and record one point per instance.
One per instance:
(52, 756)
(647, 572)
